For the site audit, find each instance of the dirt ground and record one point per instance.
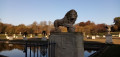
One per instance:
(116, 40)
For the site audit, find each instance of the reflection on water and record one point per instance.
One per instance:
(15, 50)
(88, 53)
(12, 53)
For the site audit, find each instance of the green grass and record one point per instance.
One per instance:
(2, 36)
(39, 35)
(115, 33)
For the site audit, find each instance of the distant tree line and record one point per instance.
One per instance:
(90, 28)
(85, 27)
(21, 28)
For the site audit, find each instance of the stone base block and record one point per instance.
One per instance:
(109, 39)
(93, 37)
(119, 34)
(68, 44)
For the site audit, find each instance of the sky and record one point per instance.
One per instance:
(27, 11)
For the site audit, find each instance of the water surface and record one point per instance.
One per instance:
(15, 50)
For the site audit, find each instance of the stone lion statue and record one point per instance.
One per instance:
(68, 21)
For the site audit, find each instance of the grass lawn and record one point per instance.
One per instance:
(102, 40)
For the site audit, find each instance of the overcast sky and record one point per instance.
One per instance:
(27, 11)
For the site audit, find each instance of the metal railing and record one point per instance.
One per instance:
(35, 49)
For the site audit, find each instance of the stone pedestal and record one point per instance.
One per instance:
(108, 39)
(14, 36)
(10, 38)
(31, 35)
(88, 36)
(104, 36)
(67, 44)
(119, 34)
(93, 37)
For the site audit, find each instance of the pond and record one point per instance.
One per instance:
(16, 50)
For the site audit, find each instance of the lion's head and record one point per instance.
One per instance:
(71, 16)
